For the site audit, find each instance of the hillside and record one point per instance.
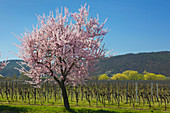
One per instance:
(9, 70)
(156, 62)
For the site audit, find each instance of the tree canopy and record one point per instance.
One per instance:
(134, 75)
(103, 77)
(119, 76)
(63, 48)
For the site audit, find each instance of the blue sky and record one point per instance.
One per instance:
(136, 25)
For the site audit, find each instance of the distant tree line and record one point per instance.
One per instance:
(126, 75)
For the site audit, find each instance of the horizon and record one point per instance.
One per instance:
(111, 56)
(136, 26)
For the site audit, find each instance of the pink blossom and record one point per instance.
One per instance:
(63, 47)
(3, 64)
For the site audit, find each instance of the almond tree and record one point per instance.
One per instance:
(63, 48)
(3, 64)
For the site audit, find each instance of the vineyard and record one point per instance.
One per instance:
(121, 94)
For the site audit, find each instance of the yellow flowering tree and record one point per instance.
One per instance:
(160, 77)
(103, 77)
(132, 75)
(119, 76)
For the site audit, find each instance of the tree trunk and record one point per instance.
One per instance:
(65, 97)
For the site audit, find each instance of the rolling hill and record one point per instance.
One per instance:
(9, 70)
(156, 62)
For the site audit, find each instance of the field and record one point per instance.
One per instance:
(74, 109)
(95, 96)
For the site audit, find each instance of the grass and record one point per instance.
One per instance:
(83, 107)
(20, 106)
(56, 109)
(85, 103)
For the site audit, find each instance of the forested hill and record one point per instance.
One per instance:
(10, 70)
(156, 62)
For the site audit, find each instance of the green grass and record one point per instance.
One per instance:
(57, 109)
(85, 104)
(42, 106)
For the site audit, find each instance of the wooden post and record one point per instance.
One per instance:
(82, 93)
(6, 86)
(34, 95)
(112, 91)
(136, 92)
(127, 93)
(16, 89)
(118, 93)
(115, 88)
(108, 91)
(71, 93)
(152, 91)
(61, 95)
(47, 91)
(12, 89)
(157, 90)
(96, 95)
(118, 88)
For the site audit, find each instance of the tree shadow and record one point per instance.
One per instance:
(10, 109)
(86, 110)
